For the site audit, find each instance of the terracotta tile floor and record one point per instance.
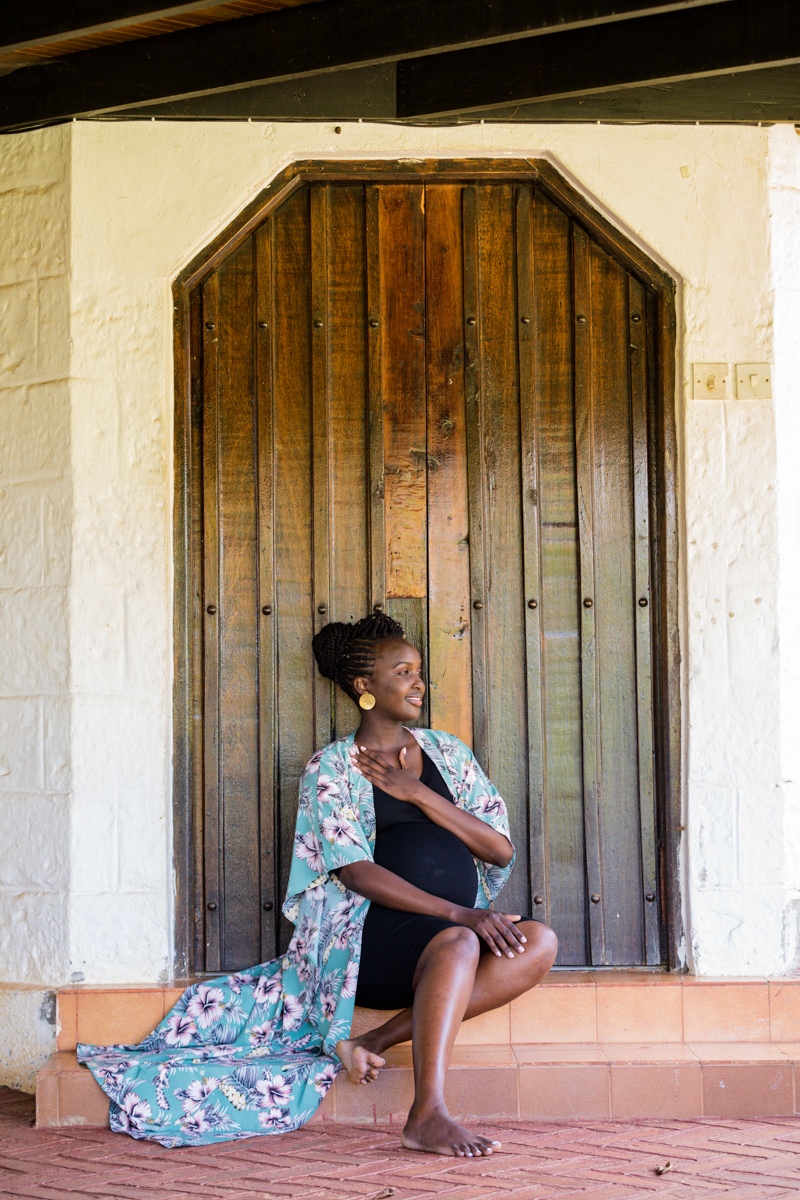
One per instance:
(578, 1160)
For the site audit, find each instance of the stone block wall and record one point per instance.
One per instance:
(35, 540)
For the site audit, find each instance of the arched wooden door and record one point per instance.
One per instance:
(439, 398)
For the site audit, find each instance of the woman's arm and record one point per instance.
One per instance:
(392, 891)
(479, 838)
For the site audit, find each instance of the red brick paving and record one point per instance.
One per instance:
(580, 1160)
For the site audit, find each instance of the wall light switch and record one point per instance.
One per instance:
(710, 381)
(754, 381)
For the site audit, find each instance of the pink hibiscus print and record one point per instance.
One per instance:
(134, 1112)
(350, 980)
(196, 1093)
(206, 1005)
(181, 1029)
(274, 1091)
(307, 846)
(274, 1118)
(324, 1079)
(339, 831)
(268, 989)
(292, 1012)
(261, 1035)
(195, 1122)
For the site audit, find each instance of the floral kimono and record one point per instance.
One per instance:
(253, 1052)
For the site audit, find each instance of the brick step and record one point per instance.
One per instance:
(518, 1081)
(570, 1006)
(583, 1044)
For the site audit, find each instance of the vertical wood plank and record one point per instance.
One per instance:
(348, 417)
(238, 613)
(449, 681)
(614, 612)
(321, 446)
(402, 273)
(584, 450)
(504, 598)
(195, 892)
(559, 565)
(665, 592)
(476, 487)
(293, 512)
(637, 315)
(377, 484)
(212, 844)
(267, 645)
(531, 553)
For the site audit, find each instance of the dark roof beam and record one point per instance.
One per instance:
(699, 43)
(327, 36)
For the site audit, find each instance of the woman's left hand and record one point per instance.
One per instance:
(400, 782)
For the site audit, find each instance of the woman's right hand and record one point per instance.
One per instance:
(496, 929)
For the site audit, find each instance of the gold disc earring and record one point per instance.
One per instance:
(366, 701)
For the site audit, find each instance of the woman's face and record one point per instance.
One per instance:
(395, 682)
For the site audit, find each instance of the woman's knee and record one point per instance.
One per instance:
(541, 941)
(454, 948)
(458, 940)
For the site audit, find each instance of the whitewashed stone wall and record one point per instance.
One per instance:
(784, 207)
(106, 214)
(35, 533)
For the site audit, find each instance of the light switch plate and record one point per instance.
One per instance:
(754, 381)
(710, 381)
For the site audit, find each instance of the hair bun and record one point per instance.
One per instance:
(330, 644)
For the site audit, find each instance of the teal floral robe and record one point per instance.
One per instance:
(253, 1052)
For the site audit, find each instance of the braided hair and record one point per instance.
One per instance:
(344, 651)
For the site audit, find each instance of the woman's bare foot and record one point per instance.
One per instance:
(361, 1064)
(435, 1132)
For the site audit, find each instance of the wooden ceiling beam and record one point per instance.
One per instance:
(327, 36)
(691, 44)
(47, 21)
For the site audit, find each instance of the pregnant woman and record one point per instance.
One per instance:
(430, 944)
(401, 844)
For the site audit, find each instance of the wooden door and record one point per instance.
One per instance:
(435, 399)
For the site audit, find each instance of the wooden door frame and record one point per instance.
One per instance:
(187, 509)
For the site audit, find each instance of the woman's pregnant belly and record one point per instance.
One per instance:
(431, 858)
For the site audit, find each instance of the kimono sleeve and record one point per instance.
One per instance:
(485, 800)
(477, 795)
(328, 833)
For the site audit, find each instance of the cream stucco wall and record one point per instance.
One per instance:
(35, 533)
(86, 665)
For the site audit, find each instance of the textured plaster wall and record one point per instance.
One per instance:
(27, 1033)
(716, 205)
(784, 202)
(35, 531)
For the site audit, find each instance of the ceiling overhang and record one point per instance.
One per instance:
(411, 61)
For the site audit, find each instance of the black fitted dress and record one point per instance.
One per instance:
(433, 859)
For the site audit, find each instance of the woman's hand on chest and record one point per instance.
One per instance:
(401, 782)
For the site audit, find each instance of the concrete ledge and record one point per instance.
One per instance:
(522, 1082)
(570, 1006)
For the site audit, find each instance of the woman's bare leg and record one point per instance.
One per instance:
(451, 984)
(497, 981)
(444, 980)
